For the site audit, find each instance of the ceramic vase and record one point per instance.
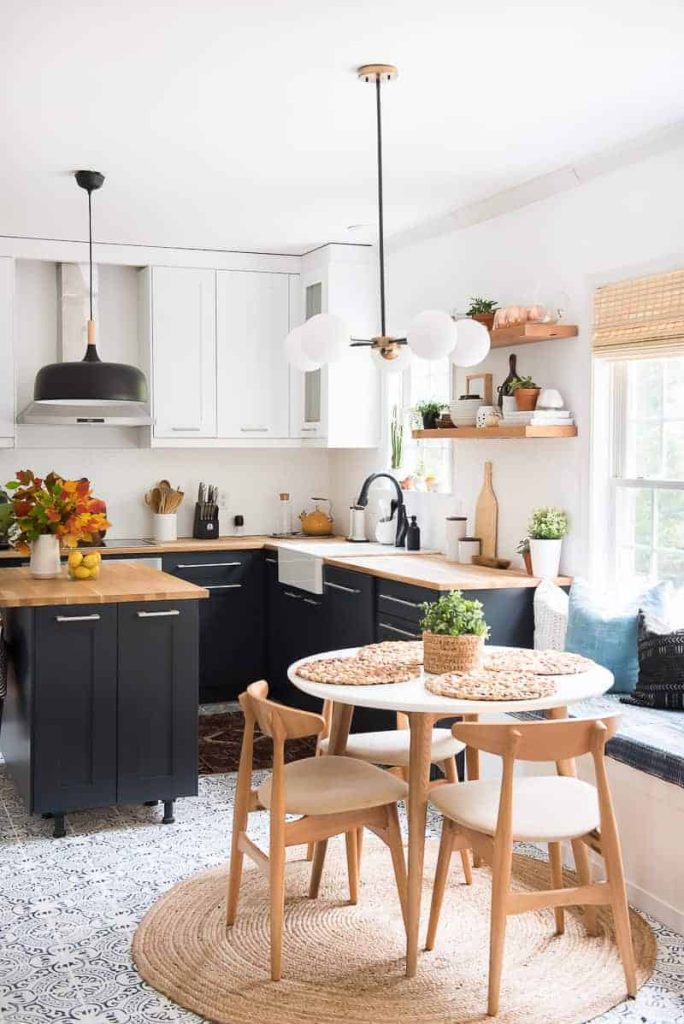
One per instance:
(44, 564)
(164, 527)
(545, 555)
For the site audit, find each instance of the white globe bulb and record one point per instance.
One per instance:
(432, 334)
(295, 354)
(472, 342)
(400, 363)
(325, 338)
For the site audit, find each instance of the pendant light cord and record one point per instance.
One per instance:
(90, 248)
(381, 224)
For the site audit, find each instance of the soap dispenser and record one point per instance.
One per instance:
(413, 536)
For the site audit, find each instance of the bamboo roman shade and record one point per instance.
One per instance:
(640, 318)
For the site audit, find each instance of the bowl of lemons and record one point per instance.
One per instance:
(84, 566)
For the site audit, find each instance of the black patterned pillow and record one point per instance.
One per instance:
(661, 666)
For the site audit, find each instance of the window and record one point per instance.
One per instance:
(428, 461)
(647, 477)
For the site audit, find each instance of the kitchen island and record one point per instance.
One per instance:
(102, 692)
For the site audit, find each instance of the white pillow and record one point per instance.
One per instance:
(550, 617)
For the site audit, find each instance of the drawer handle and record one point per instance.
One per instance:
(308, 430)
(157, 615)
(185, 430)
(221, 586)
(271, 561)
(399, 600)
(288, 593)
(401, 632)
(207, 565)
(77, 618)
(310, 600)
(338, 586)
(254, 430)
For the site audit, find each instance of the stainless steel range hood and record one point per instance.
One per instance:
(103, 414)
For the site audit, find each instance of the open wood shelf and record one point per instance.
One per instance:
(500, 433)
(526, 334)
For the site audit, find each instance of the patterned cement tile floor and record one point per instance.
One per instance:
(69, 908)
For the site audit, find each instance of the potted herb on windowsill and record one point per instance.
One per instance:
(526, 393)
(396, 439)
(429, 411)
(454, 632)
(482, 310)
(548, 526)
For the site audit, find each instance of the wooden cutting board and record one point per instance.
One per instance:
(487, 515)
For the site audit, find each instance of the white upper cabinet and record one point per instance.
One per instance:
(253, 319)
(308, 392)
(6, 353)
(183, 333)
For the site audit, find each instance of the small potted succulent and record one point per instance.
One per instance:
(454, 632)
(429, 411)
(482, 310)
(523, 549)
(526, 393)
(548, 525)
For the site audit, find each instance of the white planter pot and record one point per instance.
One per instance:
(545, 555)
(44, 564)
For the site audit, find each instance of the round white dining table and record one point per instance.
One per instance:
(422, 709)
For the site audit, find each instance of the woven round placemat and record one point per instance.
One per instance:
(540, 663)
(354, 672)
(345, 964)
(483, 684)
(393, 652)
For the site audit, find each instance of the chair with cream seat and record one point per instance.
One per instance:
(333, 795)
(390, 748)
(489, 817)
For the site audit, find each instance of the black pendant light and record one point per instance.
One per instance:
(91, 381)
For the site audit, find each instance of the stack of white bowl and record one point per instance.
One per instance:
(463, 411)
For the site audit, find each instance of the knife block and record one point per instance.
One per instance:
(204, 528)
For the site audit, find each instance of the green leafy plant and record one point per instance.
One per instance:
(548, 523)
(396, 438)
(429, 407)
(479, 306)
(454, 615)
(522, 382)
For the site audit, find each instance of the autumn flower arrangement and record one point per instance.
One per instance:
(65, 509)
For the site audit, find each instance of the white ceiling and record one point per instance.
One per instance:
(240, 125)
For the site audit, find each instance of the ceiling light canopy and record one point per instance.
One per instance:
(433, 334)
(91, 381)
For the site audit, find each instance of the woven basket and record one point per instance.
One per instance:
(452, 653)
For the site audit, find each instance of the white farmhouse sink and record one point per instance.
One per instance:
(301, 564)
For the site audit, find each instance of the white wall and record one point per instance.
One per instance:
(619, 225)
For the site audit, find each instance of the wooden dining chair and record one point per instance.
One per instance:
(390, 748)
(333, 795)
(489, 817)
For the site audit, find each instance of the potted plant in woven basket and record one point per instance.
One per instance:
(454, 632)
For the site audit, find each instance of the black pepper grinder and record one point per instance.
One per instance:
(413, 536)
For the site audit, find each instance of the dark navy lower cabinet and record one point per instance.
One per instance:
(101, 705)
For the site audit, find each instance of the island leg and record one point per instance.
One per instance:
(168, 818)
(59, 831)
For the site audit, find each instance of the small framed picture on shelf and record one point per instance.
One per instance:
(480, 384)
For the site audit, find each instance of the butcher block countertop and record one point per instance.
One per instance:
(435, 573)
(118, 582)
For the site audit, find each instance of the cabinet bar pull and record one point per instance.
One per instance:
(207, 565)
(254, 430)
(310, 600)
(308, 430)
(399, 600)
(157, 615)
(185, 430)
(288, 593)
(401, 632)
(221, 586)
(76, 618)
(338, 586)
(271, 561)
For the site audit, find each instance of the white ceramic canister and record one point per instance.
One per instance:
(487, 416)
(44, 564)
(456, 529)
(386, 531)
(164, 527)
(467, 547)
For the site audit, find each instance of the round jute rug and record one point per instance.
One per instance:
(345, 963)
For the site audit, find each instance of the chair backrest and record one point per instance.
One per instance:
(539, 741)
(277, 720)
